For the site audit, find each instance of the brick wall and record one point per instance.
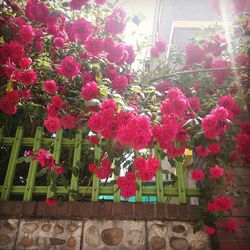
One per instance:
(240, 239)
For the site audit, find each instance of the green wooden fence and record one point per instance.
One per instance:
(159, 189)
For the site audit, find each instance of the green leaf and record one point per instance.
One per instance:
(42, 172)
(60, 202)
(93, 102)
(136, 89)
(20, 160)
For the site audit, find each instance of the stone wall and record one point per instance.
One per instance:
(99, 234)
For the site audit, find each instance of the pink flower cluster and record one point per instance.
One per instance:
(198, 175)
(127, 184)
(146, 169)
(213, 149)
(136, 132)
(221, 203)
(115, 23)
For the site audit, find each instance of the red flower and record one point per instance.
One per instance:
(7, 107)
(100, 2)
(198, 175)
(52, 111)
(51, 202)
(119, 83)
(216, 172)
(69, 67)
(90, 91)
(28, 77)
(201, 153)
(231, 225)
(194, 103)
(214, 148)
(230, 105)
(222, 203)
(154, 52)
(52, 124)
(50, 86)
(209, 230)
(104, 171)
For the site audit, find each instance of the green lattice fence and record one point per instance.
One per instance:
(159, 189)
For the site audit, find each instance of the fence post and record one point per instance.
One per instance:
(33, 167)
(56, 154)
(77, 157)
(12, 164)
(96, 182)
(159, 180)
(116, 191)
(181, 183)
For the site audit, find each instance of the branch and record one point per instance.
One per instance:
(195, 71)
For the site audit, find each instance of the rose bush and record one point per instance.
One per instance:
(65, 65)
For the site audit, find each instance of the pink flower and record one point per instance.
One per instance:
(109, 104)
(7, 106)
(26, 34)
(161, 45)
(214, 148)
(92, 167)
(94, 46)
(230, 105)
(95, 122)
(209, 230)
(82, 29)
(222, 203)
(58, 42)
(50, 86)
(201, 153)
(221, 113)
(194, 54)
(231, 225)
(119, 83)
(59, 170)
(25, 93)
(115, 23)
(28, 77)
(51, 202)
(45, 159)
(154, 52)
(131, 54)
(194, 103)
(25, 62)
(216, 172)
(127, 184)
(220, 75)
(52, 111)
(94, 139)
(239, 5)
(57, 102)
(90, 91)
(77, 4)
(68, 121)
(104, 171)
(69, 67)
(52, 124)
(100, 2)
(198, 175)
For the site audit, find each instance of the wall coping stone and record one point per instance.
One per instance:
(99, 210)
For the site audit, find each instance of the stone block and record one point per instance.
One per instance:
(115, 234)
(49, 234)
(8, 233)
(175, 235)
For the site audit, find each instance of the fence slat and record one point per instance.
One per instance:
(138, 195)
(12, 164)
(159, 180)
(116, 191)
(77, 157)
(56, 154)
(181, 183)
(96, 182)
(33, 167)
(1, 135)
